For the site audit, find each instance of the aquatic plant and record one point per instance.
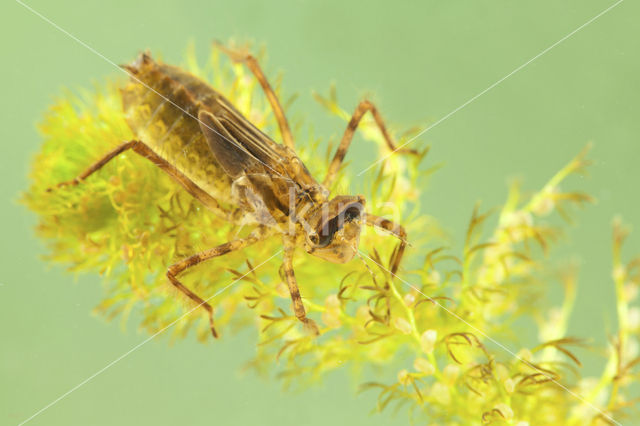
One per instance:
(433, 333)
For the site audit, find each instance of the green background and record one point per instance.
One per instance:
(420, 61)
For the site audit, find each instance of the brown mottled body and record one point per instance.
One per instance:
(161, 108)
(177, 115)
(202, 141)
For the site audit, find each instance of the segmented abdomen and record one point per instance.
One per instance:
(160, 105)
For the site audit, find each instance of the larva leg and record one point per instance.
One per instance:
(395, 229)
(347, 137)
(296, 299)
(175, 269)
(253, 65)
(143, 150)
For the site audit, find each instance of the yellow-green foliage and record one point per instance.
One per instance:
(434, 332)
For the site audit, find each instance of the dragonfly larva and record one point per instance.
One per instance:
(205, 144)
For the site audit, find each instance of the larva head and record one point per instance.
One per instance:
(333, 228)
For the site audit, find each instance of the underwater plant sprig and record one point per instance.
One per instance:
(131, 220)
